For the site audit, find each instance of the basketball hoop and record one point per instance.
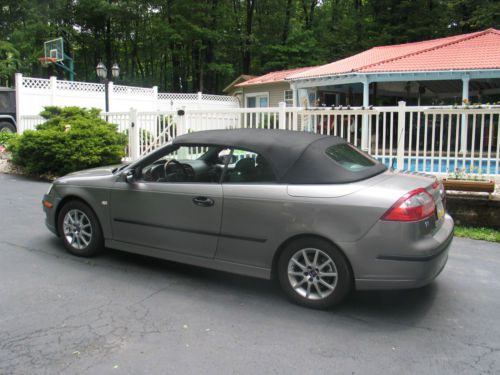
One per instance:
(46, 61)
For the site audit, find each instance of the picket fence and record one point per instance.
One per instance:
(434, 140)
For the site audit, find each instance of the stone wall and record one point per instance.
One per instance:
(474, 210)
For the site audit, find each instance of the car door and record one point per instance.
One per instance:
(253, 212)
(180, 216)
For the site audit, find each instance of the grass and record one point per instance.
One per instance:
(485, 234)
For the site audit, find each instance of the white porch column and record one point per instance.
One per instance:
(366, 103)
(464, 127)
(294, 95)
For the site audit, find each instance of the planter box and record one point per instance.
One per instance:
(469, 185)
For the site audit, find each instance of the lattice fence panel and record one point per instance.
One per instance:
(80, 86)
(36, 83)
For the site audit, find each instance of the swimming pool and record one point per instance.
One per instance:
(445, 165)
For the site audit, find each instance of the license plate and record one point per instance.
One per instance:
(440, 210)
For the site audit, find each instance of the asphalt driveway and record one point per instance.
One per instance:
(126, 314)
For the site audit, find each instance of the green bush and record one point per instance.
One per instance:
(6, 137)
(71, 139)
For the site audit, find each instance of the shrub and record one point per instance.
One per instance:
(6, 137)
(72, 139)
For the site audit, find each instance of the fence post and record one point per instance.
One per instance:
(401, 135)
(295, 119)
(19, 98)
(134, 141)
(53, 88)
(180, 121)
(155, 99)
(110, 96)
(200, 98)
(282, 115)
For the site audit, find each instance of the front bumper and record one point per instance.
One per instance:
(50, 213)
(398, 261)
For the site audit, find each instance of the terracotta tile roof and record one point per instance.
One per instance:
(479, 50)
(271, 77)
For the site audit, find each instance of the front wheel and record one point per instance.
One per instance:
(314, 273)
(80, 230)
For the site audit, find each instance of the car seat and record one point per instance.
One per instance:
(244, 171)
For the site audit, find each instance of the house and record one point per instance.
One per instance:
(232, 90)
(267, 90)
(439, 71)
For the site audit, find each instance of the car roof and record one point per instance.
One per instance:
(295, 156)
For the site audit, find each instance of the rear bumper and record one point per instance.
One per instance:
(398, 265)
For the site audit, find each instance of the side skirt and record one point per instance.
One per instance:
(220, 265)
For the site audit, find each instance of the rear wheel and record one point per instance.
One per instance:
(314, 273)
(7, 127)
(80, 230)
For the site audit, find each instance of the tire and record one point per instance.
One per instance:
(80, 230)
(322, 281)
(7, 127)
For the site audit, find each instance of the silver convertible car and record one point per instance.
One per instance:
(310, 210)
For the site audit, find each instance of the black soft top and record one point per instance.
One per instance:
(296, 157)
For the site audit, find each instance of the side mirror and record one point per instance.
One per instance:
(129, 176)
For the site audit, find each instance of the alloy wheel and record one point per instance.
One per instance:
(77, 229)
(312, 273)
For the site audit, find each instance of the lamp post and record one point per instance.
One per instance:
(102, 73)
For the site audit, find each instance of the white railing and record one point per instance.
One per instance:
(435, 140)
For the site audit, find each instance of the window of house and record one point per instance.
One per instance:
(257, 100)
(288, 98)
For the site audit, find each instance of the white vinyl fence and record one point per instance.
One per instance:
(423, 139)
(33, 94)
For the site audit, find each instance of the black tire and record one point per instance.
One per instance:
(341, 285)
(95, 243)
(7, 127)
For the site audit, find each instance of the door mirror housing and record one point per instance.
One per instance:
(129, 176)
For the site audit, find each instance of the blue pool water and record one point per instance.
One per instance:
(441, 165)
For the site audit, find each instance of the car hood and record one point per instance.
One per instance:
(89, 173)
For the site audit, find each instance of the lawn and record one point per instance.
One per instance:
(485, 234)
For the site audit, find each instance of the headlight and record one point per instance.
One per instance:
(50, 189)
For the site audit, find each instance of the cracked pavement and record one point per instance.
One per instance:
(127, 314)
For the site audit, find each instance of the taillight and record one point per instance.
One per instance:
(413, 206)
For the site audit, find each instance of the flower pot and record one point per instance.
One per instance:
(469, 185)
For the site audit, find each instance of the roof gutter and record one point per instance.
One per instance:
(360, 77)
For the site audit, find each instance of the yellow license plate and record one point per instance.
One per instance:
(440, 210)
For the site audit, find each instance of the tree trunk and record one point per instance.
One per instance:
(286, 26)
(247, 56)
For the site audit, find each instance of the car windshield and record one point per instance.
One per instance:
(349, 157)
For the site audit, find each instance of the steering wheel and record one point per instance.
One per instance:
(178, 168)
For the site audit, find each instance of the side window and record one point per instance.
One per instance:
(187, 164)
(248, 167)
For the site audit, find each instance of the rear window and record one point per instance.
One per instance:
(350, 158)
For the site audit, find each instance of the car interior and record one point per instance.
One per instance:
(211, 165)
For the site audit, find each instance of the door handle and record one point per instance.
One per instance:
(203, 201)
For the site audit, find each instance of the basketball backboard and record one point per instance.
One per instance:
(54, 49)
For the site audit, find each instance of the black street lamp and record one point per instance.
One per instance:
(102, 73)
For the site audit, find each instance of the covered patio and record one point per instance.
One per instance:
(435, 72)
